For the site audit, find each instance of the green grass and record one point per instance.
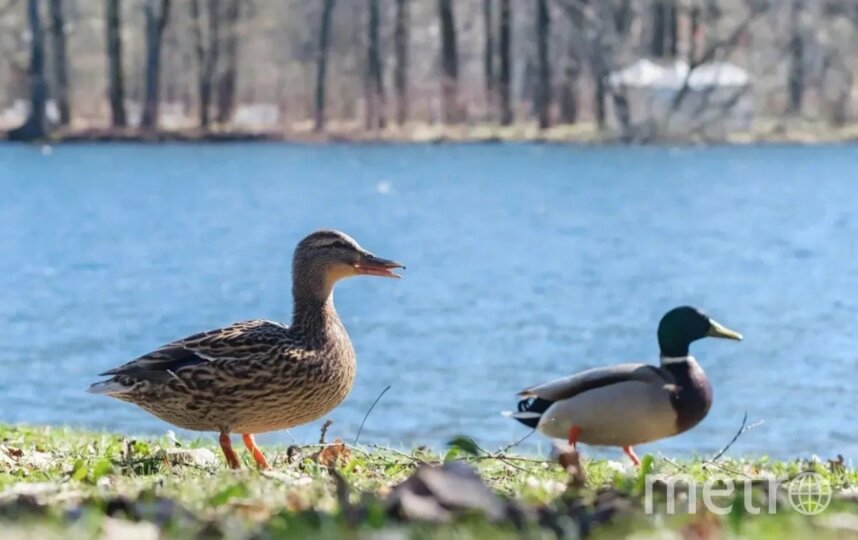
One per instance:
(61, 483)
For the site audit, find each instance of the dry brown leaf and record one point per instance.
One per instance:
(333, 454)
(198, 457)
(294, 502)
(569, 459)
(705, 526)
(251, 510)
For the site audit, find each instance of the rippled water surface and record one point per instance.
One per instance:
(524, 263)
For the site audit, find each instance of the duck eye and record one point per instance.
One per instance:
(340, 244)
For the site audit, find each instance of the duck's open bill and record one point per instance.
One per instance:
(370, 265)
(717, 329)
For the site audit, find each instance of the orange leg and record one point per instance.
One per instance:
(254, 450)
(226, 446)
(574, 432)
(632, 456)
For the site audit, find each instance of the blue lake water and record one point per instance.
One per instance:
(525, 262)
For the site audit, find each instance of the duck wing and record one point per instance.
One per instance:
(238, 342)
(568, 387)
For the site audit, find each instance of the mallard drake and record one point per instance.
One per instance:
(258, 376)
(629, 404)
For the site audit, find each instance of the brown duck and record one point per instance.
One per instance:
(258, 376)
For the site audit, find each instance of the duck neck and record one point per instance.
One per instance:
(693, 397)
(676, 360)
(673, 348)
(314, 314)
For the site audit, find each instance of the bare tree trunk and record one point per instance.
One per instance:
(449, 63)
(673, 29)
(658, 26)
(227, 80)
(375, 118)
(840, 112)
(664, 34)
(116, 92)
(489, 55)
(157, 17)
(569, 94)
(696, 29)
(36, 125)
(321, 64)
(505, 63)
(795, 82)
(622, 15)
(401, 40)
(60, 63)
(207, 53)
(571, 70)
(543, 90)
(599, 97)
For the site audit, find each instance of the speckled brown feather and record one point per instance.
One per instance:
(251, 377)
(255, 376)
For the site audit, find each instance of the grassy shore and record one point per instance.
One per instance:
(59, 483)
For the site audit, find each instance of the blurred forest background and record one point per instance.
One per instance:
(627, 70)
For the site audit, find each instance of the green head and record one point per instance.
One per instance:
(682, 325)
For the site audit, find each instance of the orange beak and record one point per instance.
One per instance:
(370, 265)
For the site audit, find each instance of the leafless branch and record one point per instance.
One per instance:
(733, 440)
(742, 429)
(705, 121)
(398, 453)
(324, 431)
(721, 47)
(371, 407)
(512, 445)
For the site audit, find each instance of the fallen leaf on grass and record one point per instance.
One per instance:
(332, 455)
(251, 510)
(9, 457)
(706, 526)
(570, 460)
(195, 457)
(29, 459)
(12, 452)
(294, 502)
(437, 493)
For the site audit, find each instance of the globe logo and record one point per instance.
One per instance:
(809, 493)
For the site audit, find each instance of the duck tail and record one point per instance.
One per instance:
(108, 388)
(530, 411)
